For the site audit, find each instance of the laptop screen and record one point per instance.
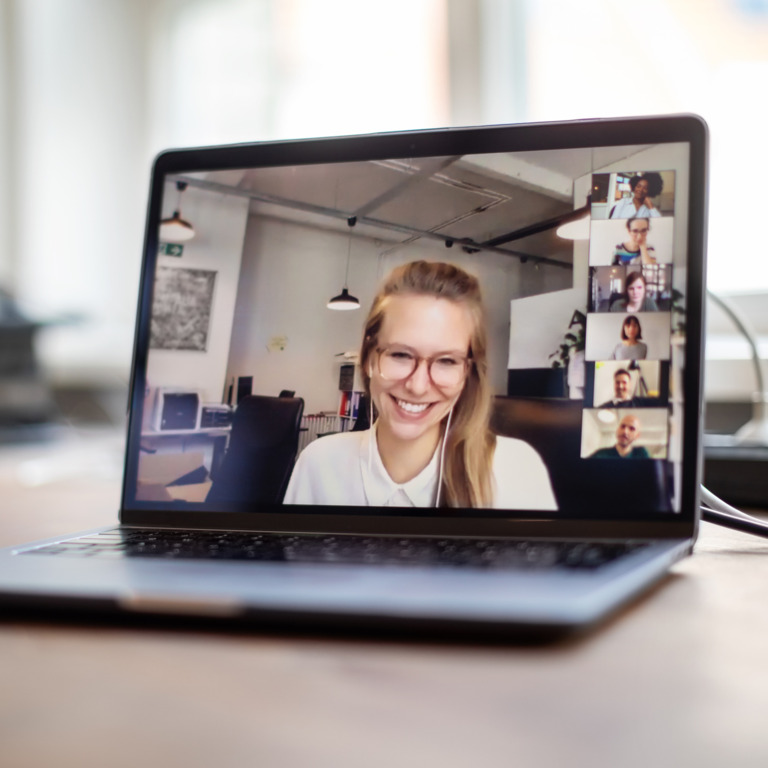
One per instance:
(467, 333)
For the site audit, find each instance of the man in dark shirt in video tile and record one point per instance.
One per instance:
(626, 433)
(622, 391)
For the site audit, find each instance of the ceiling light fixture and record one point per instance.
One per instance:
(344, 300)
(577, 228)
(574, 230)
(176, 229)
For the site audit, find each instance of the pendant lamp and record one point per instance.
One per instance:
(577, 229)
(345, 300)
(176, 229)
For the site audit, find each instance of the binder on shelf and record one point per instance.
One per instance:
(349, 403)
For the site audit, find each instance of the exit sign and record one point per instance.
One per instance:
(171, 249)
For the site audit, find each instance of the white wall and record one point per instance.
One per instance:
(219, 222)
(539, 323)
(290, 272)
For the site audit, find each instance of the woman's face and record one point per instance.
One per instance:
(641, 189)
(636, 292)
(631, 330)
(638, 232)
(422, 327)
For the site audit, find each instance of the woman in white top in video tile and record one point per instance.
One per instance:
(424, 367)
(644, 186)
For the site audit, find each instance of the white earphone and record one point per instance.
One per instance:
(442, 457)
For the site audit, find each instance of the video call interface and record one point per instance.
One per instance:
(580, 255)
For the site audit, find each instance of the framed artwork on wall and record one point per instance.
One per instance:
(181, 308)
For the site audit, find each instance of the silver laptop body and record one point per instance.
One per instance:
(236, 319)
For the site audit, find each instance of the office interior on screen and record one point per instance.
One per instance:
(242, 307)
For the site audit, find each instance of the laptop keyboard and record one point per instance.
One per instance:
(323, 548)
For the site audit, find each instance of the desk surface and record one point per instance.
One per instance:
(680, 678)
(198, 432)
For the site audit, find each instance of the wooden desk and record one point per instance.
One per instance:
(681, 678)
(211, 441)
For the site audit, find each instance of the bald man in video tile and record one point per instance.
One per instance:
(626, 434)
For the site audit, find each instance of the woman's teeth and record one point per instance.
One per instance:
(412, 407)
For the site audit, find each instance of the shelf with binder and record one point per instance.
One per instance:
(350, 392)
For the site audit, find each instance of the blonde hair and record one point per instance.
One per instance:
(469, 444)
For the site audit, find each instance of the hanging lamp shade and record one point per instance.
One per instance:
(576, 227)
(176, 229)
(575, 230)
(344, 301)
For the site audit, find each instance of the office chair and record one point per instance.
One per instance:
(262, 449)
(363, 420)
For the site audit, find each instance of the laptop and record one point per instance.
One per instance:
(256, 489)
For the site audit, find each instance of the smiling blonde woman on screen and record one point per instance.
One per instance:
(424, 366)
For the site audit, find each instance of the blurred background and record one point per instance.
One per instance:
(91, 90)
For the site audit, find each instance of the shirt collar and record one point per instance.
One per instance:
(382, 491)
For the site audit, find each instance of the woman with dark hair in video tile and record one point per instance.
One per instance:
(635, 297)
(424, 367)
(644, 186)
(630, 348)
(635, 249)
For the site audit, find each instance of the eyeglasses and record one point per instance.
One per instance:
(399, 363)
(639, 231)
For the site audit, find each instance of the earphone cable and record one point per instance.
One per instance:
(715, 510)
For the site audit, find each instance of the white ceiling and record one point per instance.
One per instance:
(472, 198)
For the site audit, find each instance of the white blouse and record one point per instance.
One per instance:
(339, 470)
(625, 209)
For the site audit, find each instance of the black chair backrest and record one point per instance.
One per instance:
(363, 420)
(536, 382)
(603, 486)
(261, 453)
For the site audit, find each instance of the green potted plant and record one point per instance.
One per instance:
(570, 354)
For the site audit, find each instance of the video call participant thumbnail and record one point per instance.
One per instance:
(621, 384)
(644, 336)
(639, 204)
(627, 432)
(634, 242)
(424, 368)
(631, 346)
(635, 298)
(635, 249)
(622, 391)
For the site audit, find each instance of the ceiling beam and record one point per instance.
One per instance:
(469, 245)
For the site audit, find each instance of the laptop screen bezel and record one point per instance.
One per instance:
(443, 142)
